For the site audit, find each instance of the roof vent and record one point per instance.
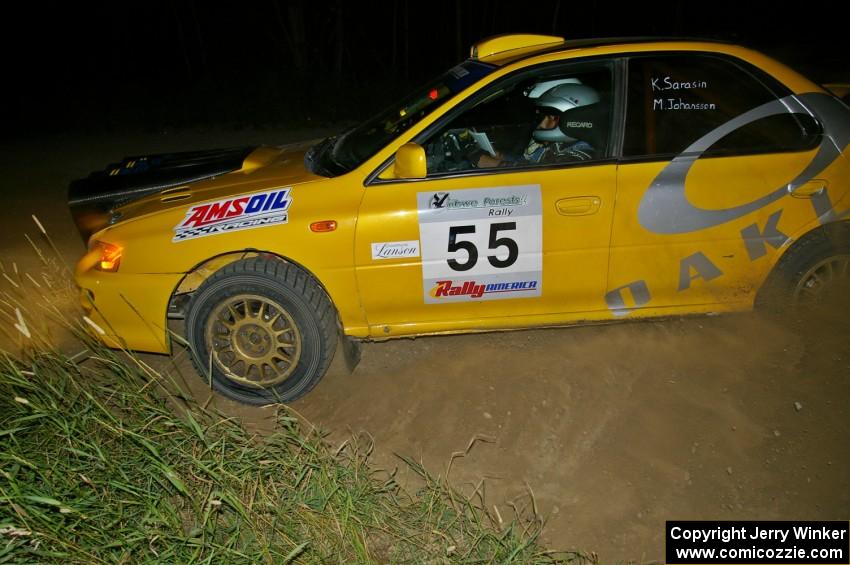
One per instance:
(501, 44)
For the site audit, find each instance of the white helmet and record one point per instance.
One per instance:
(543, 87)
(558, 100)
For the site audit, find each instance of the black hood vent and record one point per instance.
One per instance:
(93, 198)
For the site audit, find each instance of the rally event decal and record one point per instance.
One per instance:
(234, 214)
(481, 244)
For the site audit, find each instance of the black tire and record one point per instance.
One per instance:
(812, 274)
(262, 331)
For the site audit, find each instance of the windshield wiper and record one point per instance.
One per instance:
(315, 156)
(336, 145)
(321, 159)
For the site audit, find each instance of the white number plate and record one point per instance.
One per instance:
(481, 243)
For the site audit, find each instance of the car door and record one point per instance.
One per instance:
(711, 147)
(471, 247)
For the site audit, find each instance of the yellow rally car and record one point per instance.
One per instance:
(540, 182)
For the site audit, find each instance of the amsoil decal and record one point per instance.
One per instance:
(234, 214)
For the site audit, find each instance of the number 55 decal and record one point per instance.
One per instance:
(458, 230)
(472, 251)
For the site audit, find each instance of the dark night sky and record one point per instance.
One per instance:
(97, 66)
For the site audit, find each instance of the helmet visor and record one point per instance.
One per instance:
(547, 118)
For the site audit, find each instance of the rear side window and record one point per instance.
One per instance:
(674, 100)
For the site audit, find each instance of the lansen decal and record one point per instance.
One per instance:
(234, 214)
(395, 249)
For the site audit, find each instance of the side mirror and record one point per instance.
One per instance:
(410, 162)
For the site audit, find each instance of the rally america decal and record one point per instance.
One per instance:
(481, 244)
(235, 214)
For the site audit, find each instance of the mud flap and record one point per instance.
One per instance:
(351, 351)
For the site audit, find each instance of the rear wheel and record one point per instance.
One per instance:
(825, 282)
(262, 331)
(813, 276)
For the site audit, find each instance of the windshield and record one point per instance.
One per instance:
(346, 152)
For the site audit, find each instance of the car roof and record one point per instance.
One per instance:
(505, 49)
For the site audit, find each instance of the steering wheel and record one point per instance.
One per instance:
(455, 149)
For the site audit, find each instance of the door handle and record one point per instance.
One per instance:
(814, 187)
(578, 205)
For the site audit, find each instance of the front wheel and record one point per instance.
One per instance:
(262, 331)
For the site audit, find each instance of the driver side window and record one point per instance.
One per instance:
(550, 117)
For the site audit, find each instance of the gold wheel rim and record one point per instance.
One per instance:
(253, 340)
(823, 280)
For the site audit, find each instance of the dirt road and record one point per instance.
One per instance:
(614, 429)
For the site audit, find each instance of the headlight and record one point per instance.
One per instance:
(109, 256)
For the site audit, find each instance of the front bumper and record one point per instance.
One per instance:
(130, 308)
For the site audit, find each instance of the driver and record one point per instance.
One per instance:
(549, 143)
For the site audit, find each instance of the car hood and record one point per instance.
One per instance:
(139, 186)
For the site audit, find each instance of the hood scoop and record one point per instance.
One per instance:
(175, 194)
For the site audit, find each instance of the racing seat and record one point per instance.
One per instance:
(589, 123)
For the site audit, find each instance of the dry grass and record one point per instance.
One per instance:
(96, 467)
